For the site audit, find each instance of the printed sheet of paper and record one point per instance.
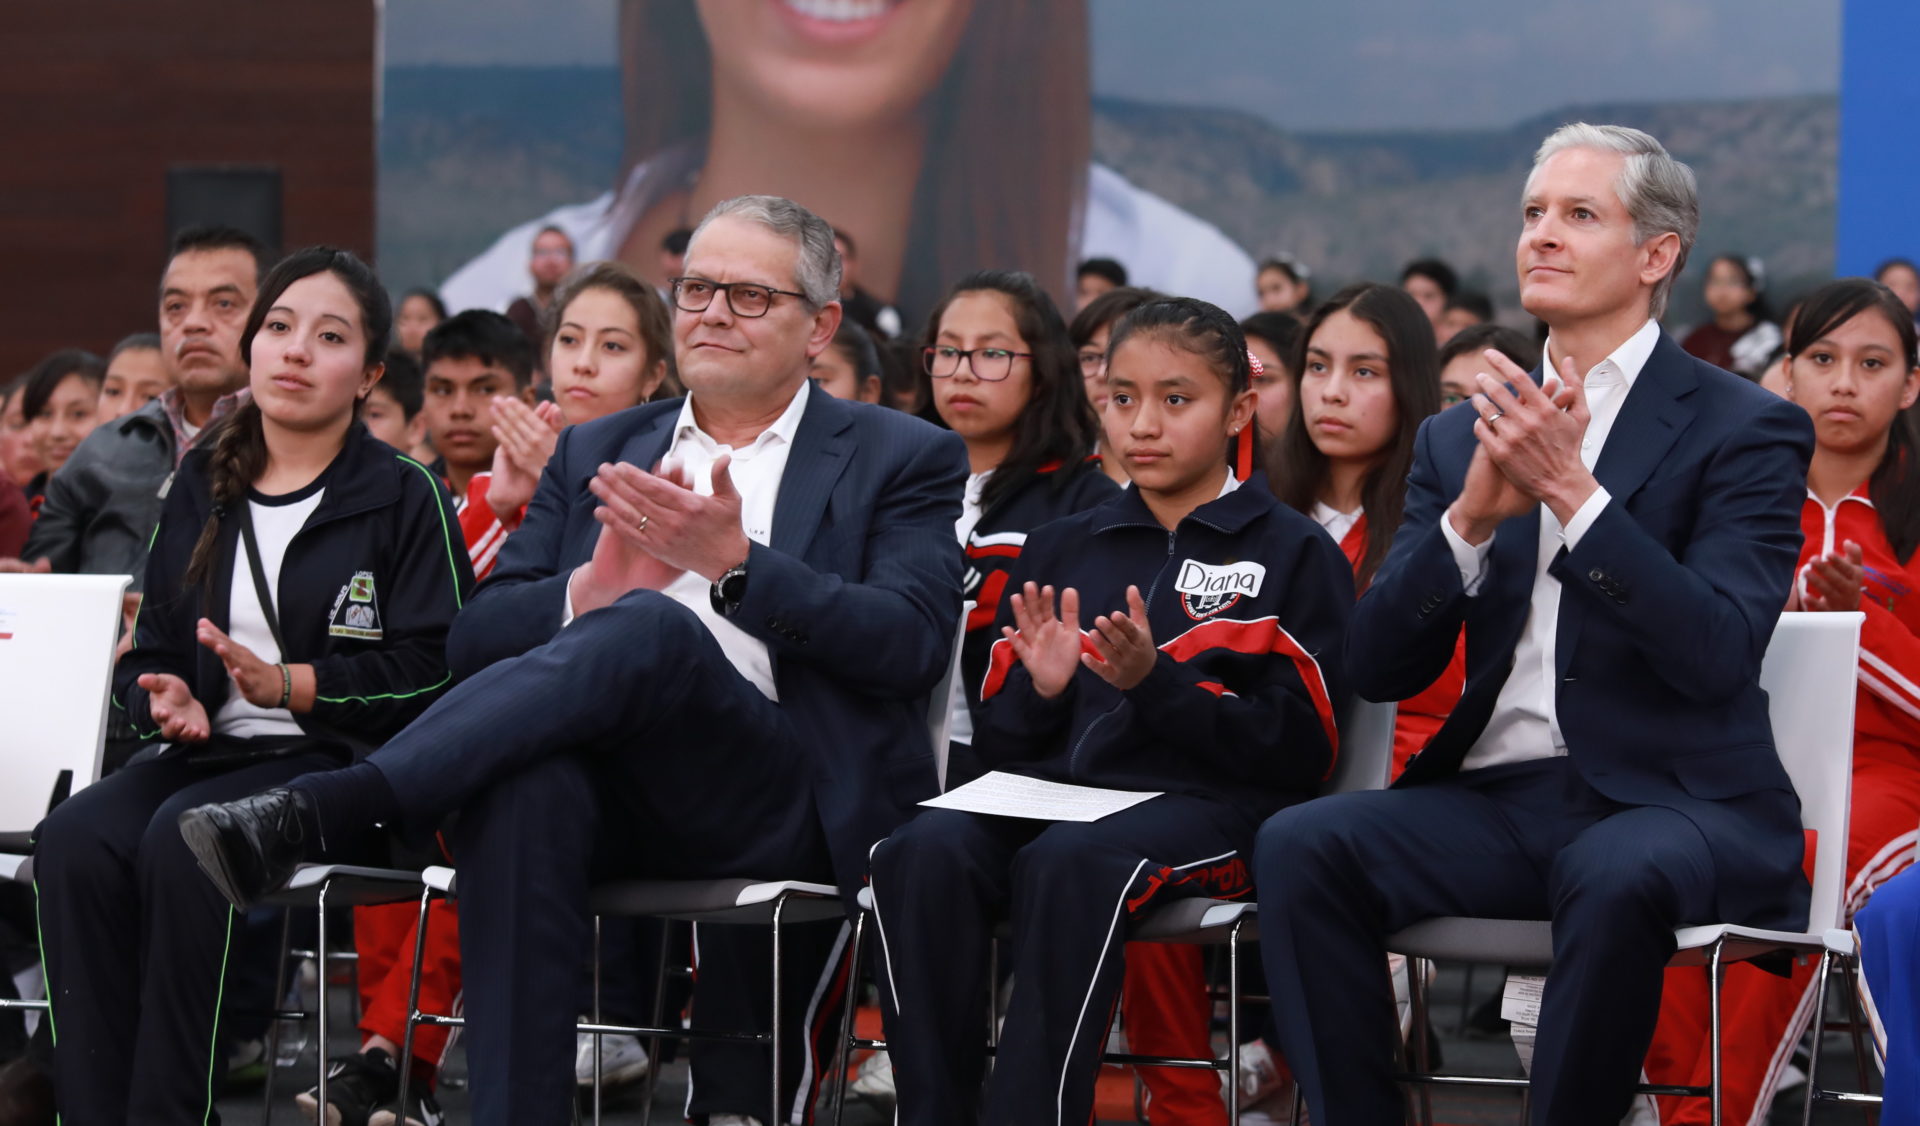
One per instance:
(1011, 795)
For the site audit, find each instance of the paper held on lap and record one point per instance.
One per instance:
(1011, 795)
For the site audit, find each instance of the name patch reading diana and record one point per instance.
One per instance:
(1206, 589)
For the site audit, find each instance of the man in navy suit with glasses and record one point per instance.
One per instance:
(706, 653)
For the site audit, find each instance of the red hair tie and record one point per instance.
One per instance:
(1243, 444)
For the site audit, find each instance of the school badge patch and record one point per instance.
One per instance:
(356, 610)
(1207, 589)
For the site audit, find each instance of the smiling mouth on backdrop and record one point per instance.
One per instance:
(836, 21)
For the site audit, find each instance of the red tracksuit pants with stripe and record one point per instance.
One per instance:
(384, 938)
(1070, 889)
(1763, 1015)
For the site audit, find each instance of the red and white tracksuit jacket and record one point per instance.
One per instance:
(1765, 1015)
(1420, 716)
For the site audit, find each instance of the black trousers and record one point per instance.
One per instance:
(136, 940)
(1520, 841)
(628, 746)
(942, 881)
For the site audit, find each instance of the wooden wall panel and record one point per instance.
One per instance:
(98, 98)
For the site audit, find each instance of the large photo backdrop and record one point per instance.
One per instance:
(1187, 141)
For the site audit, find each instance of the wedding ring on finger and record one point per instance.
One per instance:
(642, 530)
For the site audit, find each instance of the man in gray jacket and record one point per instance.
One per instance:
(101, 507)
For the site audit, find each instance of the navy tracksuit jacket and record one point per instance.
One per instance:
(1248, 603)
(135, 939)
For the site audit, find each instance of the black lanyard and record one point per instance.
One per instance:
(252, 548)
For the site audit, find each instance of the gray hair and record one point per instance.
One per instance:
(1658, 191)
(817, 269)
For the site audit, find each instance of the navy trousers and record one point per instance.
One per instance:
(1521, 841)
(628, 746)
(943, 880)
(136, 940)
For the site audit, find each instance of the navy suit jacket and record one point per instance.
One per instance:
(857, 597)
(1666, 608)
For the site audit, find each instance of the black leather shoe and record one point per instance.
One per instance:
(248, 847)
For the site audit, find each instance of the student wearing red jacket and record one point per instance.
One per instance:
(1853, 366)
(1209, 675)
(1366, 377)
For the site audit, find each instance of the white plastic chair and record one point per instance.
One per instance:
(1809, 674)
(57, 637)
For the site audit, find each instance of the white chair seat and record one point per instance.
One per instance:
(348, 885)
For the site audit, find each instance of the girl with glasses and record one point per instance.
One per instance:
(1207, 674)
(1005, 379)
(1092, 327)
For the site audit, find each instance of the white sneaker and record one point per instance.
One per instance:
(732, 1120)
(1266, 1088)
(874, 1080)
(622, 1060)
(1260, 1074)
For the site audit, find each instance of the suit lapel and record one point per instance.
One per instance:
(1651, 419)
(822, 446)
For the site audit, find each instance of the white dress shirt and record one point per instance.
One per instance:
(1526, 723)
(756, 470)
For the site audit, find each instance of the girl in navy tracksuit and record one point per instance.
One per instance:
(363, 572)
(1209, 672)
(1005, 380)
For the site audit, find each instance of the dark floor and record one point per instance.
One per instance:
(1455, 1107)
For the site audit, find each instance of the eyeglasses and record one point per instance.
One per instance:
(746, 299)
(1092, 363)
(990, 365)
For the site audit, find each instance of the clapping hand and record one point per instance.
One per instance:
(1835, 580)
(1048, 644)
(1124, 645)
(180, 716)
(260, 683)
(623, 556)
(527, 436)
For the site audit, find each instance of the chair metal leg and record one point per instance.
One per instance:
(320, 998)
(993, 1003)
(779, 908)
(413, 1001)
(1714, 974)
(273, 1021)
(1819, 1033)
(1417, 1035)
(1233, 1023)
(597, 1059)
(1855, 1021)
(844, 1068)
(659, 1014)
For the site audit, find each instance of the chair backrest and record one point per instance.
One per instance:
(1811, 675)
(57, 636)
(940, 704)
(1366, 747)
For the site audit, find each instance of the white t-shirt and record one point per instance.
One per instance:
(1162, 246)
(275, 521)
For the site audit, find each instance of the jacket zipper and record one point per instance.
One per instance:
(1073, 756)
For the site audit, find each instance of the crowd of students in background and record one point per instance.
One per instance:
(1334, 391)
